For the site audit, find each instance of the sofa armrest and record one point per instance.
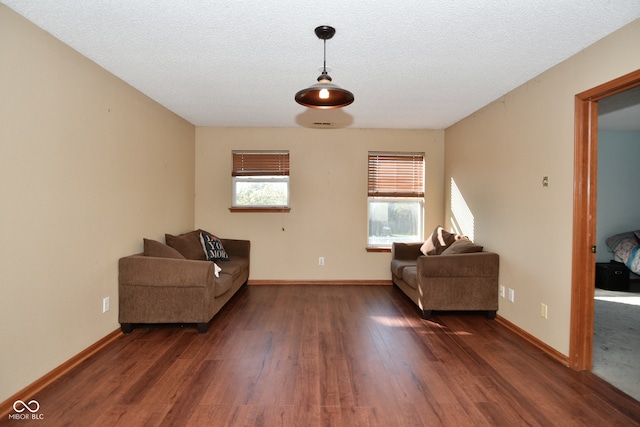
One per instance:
(238, 248)
(140, 270)
(477, 264)
(408, 251)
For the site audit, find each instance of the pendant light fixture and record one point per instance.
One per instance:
(324, 94)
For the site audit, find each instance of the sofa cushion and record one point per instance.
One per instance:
(410, 276)
(235, 266)
(230, 273)
(397, 265)
(188, 244)
(462, 246)
(212, 246)
(223, 284)
(160, 250)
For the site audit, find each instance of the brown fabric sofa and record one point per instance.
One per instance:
(446, 282)
(165, 284)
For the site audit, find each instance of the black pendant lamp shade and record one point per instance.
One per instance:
(324, 94)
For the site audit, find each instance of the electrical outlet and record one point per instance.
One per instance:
(503, 291)
(512, 295)
(321, 260)
(543, 310)
(105, 304)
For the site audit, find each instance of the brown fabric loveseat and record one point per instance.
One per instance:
(175, 283)
(461, 279)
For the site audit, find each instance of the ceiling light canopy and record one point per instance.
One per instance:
(324, 95)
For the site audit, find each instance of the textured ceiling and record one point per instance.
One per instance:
(410, 64)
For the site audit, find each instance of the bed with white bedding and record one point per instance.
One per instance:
(626, 247)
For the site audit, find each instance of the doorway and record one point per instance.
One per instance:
(584, 217)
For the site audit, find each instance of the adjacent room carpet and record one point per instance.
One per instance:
(616, 349)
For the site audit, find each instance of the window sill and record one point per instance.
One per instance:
(256, 210)
(378, 249)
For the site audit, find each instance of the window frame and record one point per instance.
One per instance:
(395, 177)
(256, 166)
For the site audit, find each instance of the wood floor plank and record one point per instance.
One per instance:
(329, 356)
(188, 400)
(209, 415)
(126, 416)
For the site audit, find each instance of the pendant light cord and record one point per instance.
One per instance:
(324, 64)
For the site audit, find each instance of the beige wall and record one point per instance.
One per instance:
(328, 198)
(88, 166)
(498, 157)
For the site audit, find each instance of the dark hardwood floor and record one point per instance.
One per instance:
(329, 356)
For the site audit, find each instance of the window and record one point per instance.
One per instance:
(395, 198)
(260, 180)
